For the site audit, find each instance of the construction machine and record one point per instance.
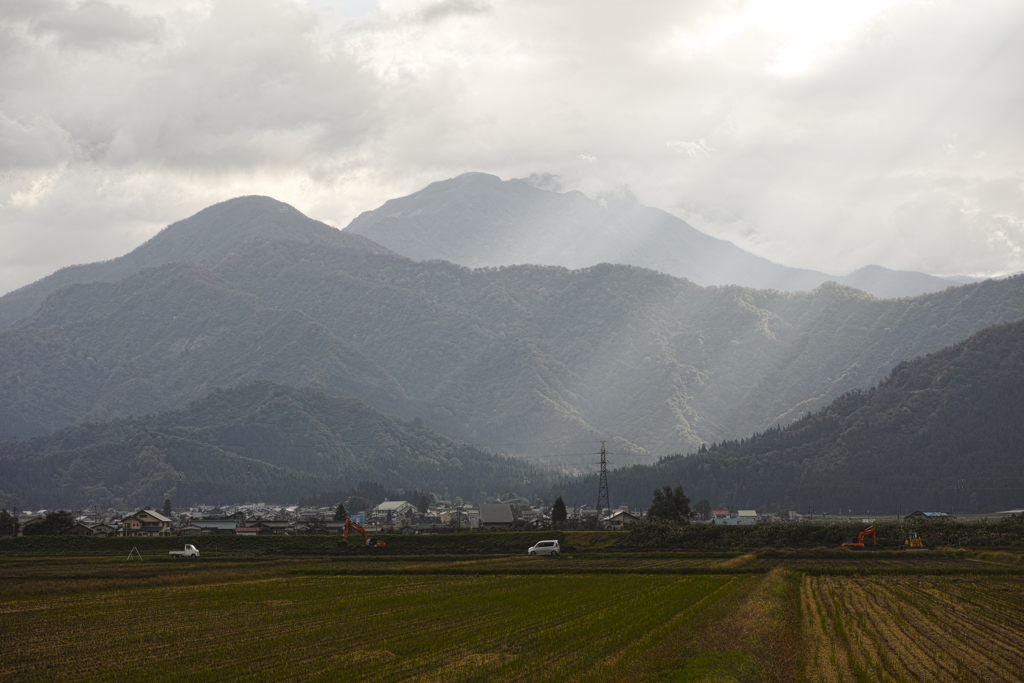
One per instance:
(913, 542)
(367, 541)
(859, 541)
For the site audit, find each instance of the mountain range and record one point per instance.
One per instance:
(255, 441)
(478, 220)
(942, 432)
(539, 361)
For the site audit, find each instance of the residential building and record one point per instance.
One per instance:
(621, 519)
(495, 515)
(146, 523)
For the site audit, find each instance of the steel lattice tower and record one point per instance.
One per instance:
(602, 487)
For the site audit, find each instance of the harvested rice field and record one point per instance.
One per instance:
(812, 616)
(919, 628)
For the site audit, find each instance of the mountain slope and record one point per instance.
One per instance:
(943, 432)
(159, 339)
(477, 220)
(203, 239)
(259, 441)
(542, 355)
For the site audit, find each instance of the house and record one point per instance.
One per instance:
(719, 514)
(81, 529)
(146, 523)
(621, 519)
(190, 530)
(104, 530)
(918, 516)
(246, 530)
(746, 517)
(279, 528)
(215, 526)
(495, 515)
(392, 512)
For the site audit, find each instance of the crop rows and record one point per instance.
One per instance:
(899, 629)
(417, 627)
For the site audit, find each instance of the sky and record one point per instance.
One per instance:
(817, 134)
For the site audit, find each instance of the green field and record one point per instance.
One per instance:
(761, 616)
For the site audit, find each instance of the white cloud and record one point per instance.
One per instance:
(695, 149)
(828, 137)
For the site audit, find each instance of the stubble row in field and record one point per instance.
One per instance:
(913, 628)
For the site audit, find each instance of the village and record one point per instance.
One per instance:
(390, 516)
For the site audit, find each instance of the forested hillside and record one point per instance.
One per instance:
(259, 441)
(159, 339)
(543, 355)
(943, 432)
(478, 220)
(523, 359)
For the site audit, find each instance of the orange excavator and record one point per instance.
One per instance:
(859, 541)
(367, 541)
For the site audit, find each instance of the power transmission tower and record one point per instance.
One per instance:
(602, 487)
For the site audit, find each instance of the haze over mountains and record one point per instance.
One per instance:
(535, 360)
(942, 432)
(478, 220)
(255, 441)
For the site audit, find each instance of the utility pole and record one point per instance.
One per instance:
(602, 487)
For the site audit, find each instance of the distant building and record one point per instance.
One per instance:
(215, 526)
(621, 519)
(495, 515)
(146, 523)
(918, 516)
(392, 512)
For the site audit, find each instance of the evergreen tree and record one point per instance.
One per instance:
(340, 513)
(558, 512)
(167, 507)
(702, 509)
(670, 505)
(54, 523)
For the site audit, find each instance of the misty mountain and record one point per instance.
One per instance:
(537, 356)
(203, 239)
(159, 339)
(258, 441)
(477, 220)
(540, 361)
(943, 432)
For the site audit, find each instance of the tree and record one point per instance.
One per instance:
(167, 507)
(340, 513)
(670, 505)
(702, 508)
(54, 523)
(558, 512)
(424, 504)
(6, 522)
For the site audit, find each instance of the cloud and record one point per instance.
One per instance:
(828, 138)
(693, 148)
(96, 25)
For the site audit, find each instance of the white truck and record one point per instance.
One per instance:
(189, 551)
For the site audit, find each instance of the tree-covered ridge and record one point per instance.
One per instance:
(942, 432)
(159, 339)
(526, 358)
(544, 354)
(259, 441)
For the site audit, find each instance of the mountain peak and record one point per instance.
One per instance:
(204, 238)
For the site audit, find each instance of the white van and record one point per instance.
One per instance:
(544, 548)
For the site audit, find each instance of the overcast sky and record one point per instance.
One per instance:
(820, 134)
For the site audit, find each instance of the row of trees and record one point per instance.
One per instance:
(669, 505)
